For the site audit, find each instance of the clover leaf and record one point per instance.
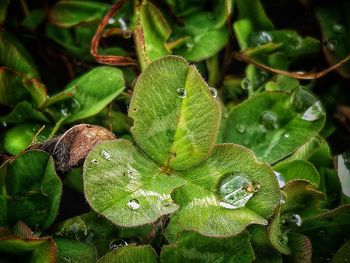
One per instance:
(219, 189)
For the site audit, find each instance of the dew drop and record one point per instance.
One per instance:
(111, 21)
(280, 179)
(94, 161)
(235, 191)
(181, 93)
(213, 92)
(189, 44)
(127, 34)
(286, 135)
(261, 38)
(4, 124)
(338, 28)
(313, 113)
(134, 204)
(332, 44)
(240, 128)
(282, 199)
(291, 218)
(245, 84)
(106, 155)
(117, 243)
(269, 120)
(122, 23)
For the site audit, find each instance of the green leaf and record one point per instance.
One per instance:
(33, 19)
(91, 228)
(298, 169)
(176, 119)
(202, 41)
(68, 13)
(343, 254)
(12, 90)
(14, 56)
(278, 237)
(22, 243)
(301, 198)
(200, 208)
(156, 32)
(192, 247)
(24, 111)
(20, 137)
(269, 126)
(301, 248)
(32, 189)
(334, 24)
(125, 186)
(75, 251)
(130, 254)
(95, 90)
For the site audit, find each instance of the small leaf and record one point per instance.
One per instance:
(130, 254)
(75, 251)
(176, 119)
(267, 124)
(278, 238)
(298, 169)
(23, 243)
(95, 90)
(33, 189)
(14, 56)
(124, 185)
(68, 13)
(192, 247)
(24, 111)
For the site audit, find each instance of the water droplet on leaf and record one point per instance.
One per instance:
(332, 44)
(111, 21)
(338, 28)
(235, 191)
(133, 204)
(313, 113)
(240, 128)
(181, 93)
(291, 218)
(280, 179)
(286, 135)
(245, 84)
(115, 244)
(106, 155)
(269, 120)
(94, 161)
(213, 92)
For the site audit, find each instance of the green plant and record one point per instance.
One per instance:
(140, 160)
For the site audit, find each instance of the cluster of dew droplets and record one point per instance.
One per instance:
(235, 190)
(306, 105)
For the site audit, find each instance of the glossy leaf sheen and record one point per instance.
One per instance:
(175, 132)
(272, 144)
(130, 254)
(95, 90)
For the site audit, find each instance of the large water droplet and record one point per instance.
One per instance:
(280, 179)
(213, 92)
(240, 128)
(338, 28)
(245, 84)
(301, 99)
(117, 243)
(106, 155)
(134, 204)
(235, 190)
(269, 120)
(181, 93)
(313, 113)
(263, 38)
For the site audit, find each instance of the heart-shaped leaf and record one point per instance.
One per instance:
(175, 117)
